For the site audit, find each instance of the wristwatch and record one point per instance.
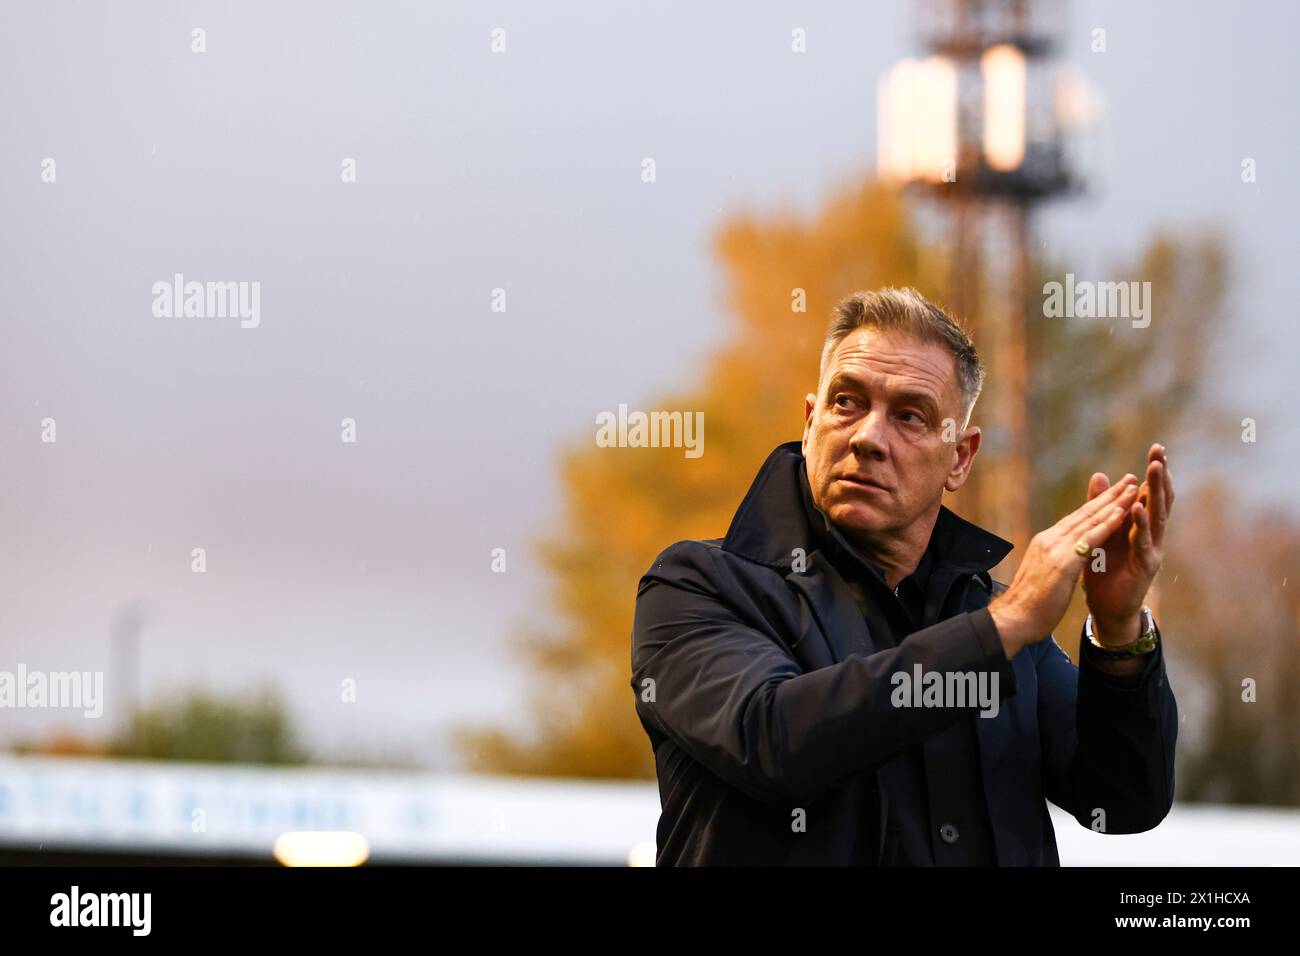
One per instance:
(1145, 643)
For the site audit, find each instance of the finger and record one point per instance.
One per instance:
(1106, 496)
(1155, 501)
(1162, 495)
(1102, 525)
(1169, 482)
(1125, 488)
(1121, 495)
(1143, 541)
(1097, 484)
(1154, 487)
(1155, 453)
(1126, 502)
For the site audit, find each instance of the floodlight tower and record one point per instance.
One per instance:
(979, 125)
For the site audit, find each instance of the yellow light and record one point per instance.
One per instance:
(916, 121)
(643, 854)
(1003, 68)
(321, 848)
(1078, 106)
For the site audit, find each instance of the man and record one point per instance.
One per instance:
(772, 667)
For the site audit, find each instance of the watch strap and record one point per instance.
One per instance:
(1145, 643)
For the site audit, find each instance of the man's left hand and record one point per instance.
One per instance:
(1133, 554)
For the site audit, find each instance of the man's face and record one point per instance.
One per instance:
(883, 439)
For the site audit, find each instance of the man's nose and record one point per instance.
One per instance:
(869, 437)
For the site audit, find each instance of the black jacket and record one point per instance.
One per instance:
(768, 705)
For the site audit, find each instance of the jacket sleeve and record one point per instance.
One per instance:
(1107, 741)
(730, 694)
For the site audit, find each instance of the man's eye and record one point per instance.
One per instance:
(842, 398)
(914, 416)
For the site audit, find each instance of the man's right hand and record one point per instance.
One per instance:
(1029, 610)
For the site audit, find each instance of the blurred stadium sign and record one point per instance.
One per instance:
(196, 810)
(192, 811)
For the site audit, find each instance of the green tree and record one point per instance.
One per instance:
(252, 728)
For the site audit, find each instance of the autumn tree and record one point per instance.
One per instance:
(625, 505)
(1101, 391)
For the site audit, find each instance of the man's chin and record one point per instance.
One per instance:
(859, 518)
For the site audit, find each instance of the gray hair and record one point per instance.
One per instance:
(909, 312)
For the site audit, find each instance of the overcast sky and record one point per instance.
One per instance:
(328, 560)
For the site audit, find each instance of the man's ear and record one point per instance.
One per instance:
(809, 403)
(964, 451)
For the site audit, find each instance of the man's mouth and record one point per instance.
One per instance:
(865, 482)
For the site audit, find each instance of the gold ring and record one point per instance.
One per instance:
(1082, 548)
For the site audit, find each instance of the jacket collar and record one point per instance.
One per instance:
(777, 515)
